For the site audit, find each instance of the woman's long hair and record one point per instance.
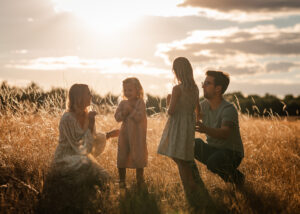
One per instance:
(75, 99)
(184, 72)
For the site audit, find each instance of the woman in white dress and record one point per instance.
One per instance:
(74, 168)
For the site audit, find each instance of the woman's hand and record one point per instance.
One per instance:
(91, 116)
(112, 133)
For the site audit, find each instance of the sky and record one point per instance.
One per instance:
(56, 43)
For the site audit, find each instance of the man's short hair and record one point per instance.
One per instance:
(221, 78)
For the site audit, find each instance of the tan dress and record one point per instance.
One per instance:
(178, 136)
(74, 161)
(132, 147)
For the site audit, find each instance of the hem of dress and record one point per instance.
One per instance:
(175, 157)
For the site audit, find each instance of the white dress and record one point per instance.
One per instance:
(178, 136)
(74, 161)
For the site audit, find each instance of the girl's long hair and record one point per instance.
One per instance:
(135, 81)
(184, 72)
(75, 99)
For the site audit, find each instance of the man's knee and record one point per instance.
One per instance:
(212, 165)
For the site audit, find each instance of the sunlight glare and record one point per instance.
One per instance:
(113, 15)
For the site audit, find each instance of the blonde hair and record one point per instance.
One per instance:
(75, 98)
(184, 72)
(135, 81)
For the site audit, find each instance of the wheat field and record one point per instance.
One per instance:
(271, 165)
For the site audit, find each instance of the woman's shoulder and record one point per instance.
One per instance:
(67, 116)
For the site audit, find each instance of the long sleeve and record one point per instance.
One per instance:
(80, 141)
(139, 112)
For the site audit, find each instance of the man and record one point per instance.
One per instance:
(224, 151)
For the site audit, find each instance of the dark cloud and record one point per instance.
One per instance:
(246, 6)
(274, 43)
(24, 9)
(240, 52)
(281, 66)
(238, 70)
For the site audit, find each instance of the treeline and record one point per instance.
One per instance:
(16, 99)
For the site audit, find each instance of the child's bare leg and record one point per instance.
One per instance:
(195, 191)
(187, 181)
(122, 176)
(187, 177)
(140, 176)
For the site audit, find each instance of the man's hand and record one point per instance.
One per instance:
(218, 133)
(200, 127)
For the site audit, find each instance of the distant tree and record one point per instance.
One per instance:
(11, 97)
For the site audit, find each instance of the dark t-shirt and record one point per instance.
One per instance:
(225, 113)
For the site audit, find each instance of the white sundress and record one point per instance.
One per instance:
(74, 159)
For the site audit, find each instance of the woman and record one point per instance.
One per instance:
(74, 170)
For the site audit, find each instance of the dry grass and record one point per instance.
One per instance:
(271, 166)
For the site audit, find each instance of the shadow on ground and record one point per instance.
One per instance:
(138, 200)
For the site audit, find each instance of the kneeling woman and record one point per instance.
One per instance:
(74, 168)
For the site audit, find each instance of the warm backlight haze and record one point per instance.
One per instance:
(58, 43)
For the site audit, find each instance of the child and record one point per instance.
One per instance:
(132, 148)
(177, 141)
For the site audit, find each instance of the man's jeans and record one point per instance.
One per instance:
(223, 162)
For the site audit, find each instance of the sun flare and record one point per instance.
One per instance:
(113, 15)
(105, 16)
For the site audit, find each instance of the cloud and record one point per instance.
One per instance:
(281, 66)
(241, 51)
(104, 66)
(132, 62)
(244, 10)
(16, 10)
(247, 6)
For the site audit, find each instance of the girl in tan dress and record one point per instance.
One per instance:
(132, 148)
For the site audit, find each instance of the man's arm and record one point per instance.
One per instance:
(219, 133)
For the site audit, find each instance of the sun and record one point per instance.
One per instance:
(108, 16)
(103, 15)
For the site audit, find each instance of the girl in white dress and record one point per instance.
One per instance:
(177, 141)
